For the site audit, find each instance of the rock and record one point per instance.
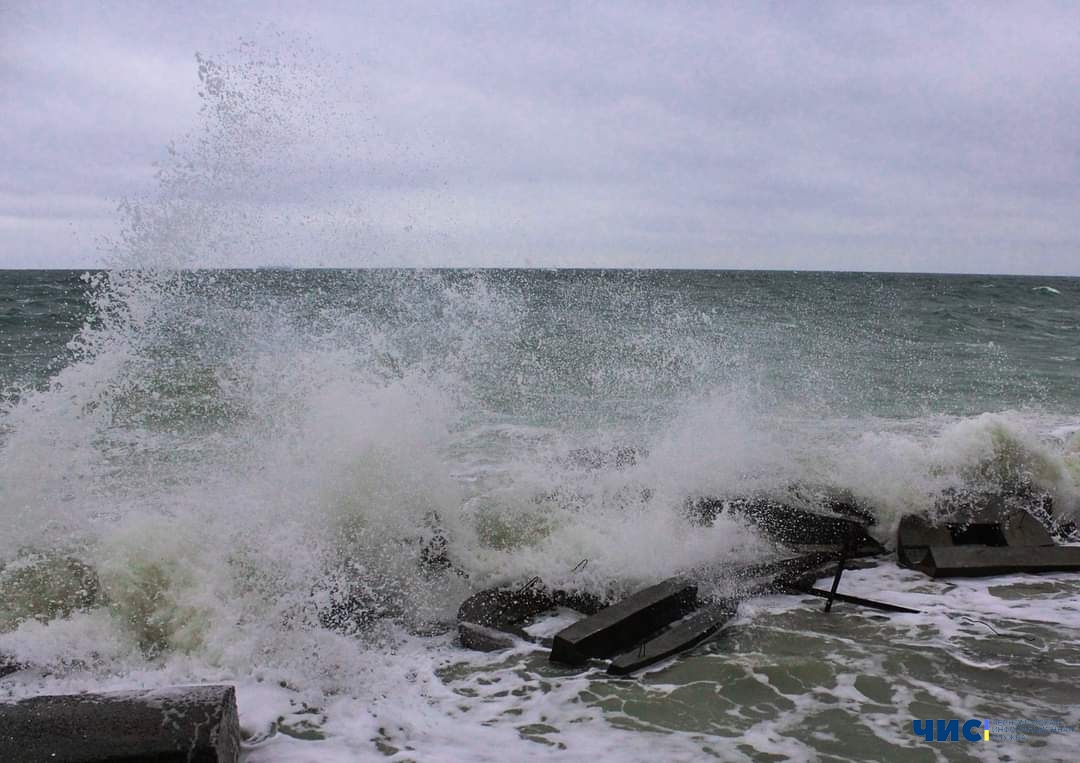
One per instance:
(435, 557)
(504, 609)
(791, 525)
(494, 618)
(8, 665)
(185, 724)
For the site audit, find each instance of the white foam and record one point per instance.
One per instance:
(217, 456)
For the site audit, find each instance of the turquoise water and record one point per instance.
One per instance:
(850, 343)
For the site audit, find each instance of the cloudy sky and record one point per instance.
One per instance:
(794, 135)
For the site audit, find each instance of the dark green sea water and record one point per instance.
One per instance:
(860, 343)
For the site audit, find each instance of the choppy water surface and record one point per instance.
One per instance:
(194, 463)
(215, 446)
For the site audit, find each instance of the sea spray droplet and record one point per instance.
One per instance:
(228, 447)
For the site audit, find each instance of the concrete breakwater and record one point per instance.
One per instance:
(181, 724)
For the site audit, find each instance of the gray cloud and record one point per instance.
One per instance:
(932, 137)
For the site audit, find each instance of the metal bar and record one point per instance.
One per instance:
(883, 606)
(844, 551)
(835, 583)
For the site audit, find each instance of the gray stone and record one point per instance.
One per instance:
(184, 724)
(625, 623)
(682, 635)
(484, 639)
(792, 525)
(8, 665)
(981, 561)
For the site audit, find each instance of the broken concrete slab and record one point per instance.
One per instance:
(991, 536)
(678, 637)
(662, 620)
(983, 561)
(625, 623)
(185, 724)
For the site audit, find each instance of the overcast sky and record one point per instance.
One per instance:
(795, 135)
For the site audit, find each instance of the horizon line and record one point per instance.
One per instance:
(578, 268)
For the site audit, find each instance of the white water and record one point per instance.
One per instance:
(214, 514)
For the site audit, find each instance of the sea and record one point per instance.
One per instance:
(195, 462)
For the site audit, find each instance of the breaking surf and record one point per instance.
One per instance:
(290, 480)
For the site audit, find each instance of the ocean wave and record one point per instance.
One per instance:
(228, 461)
